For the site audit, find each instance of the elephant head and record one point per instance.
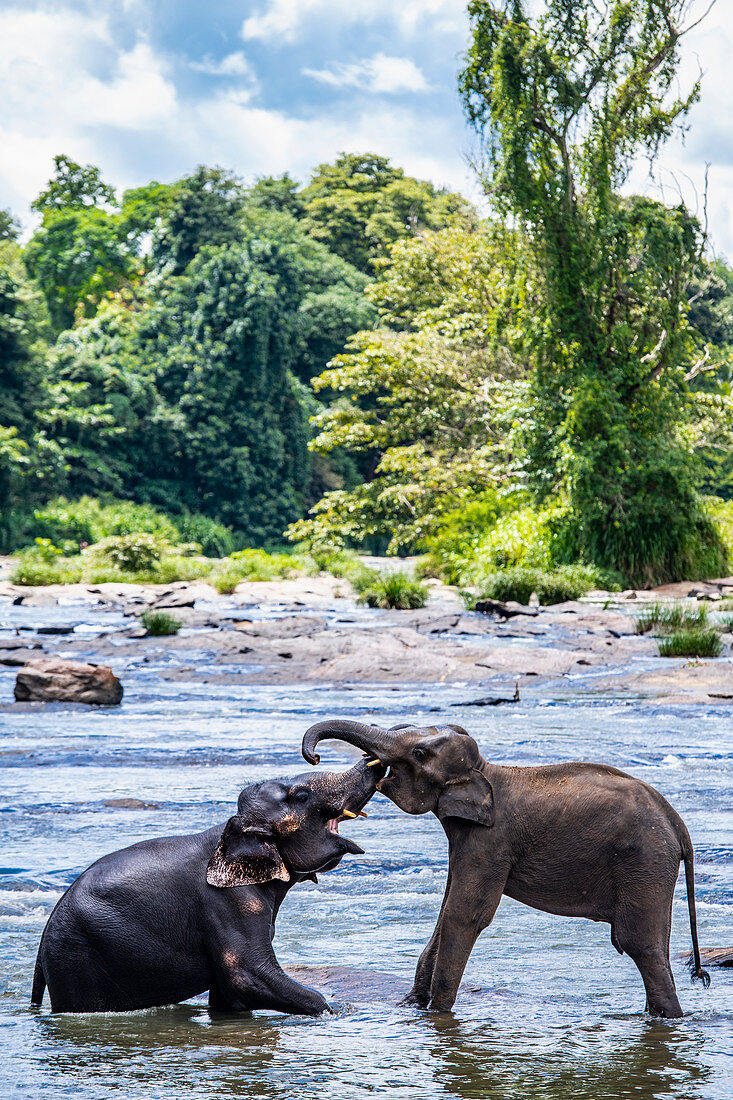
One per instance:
(286, 829)
(435, 769)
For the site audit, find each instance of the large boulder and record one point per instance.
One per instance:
(52, 680)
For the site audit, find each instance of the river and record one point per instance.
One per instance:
(547, 1010)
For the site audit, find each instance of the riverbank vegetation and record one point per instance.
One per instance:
(537, 400)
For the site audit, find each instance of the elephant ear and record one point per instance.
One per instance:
(471, 798)
(245, 856)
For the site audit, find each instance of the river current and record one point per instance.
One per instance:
(548, 1009)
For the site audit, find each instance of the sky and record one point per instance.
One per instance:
(148, 89)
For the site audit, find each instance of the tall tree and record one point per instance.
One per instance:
(361, 204)
(205, 209)
(565, 103)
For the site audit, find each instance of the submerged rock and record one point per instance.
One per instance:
(52, 680)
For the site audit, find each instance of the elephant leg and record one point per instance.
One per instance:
(219, 1003)
(645, 939)
(420, 992)
(463, 919)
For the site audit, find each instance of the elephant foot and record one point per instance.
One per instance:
(416, 999)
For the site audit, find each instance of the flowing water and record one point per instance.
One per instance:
(548, 1009)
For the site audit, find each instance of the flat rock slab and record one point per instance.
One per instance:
(290, 626)
(52, 680)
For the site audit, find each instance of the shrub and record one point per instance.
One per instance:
(87, 520)
(33, 570)
(567, 582)
(397, 590)
(668, 618)
(160, 623)
(214, 539)
(695, 642)
(133, 553)
(257, 565)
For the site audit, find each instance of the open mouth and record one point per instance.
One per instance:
(390, 777)
(345, 815)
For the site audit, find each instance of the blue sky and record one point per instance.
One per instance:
(150, 88)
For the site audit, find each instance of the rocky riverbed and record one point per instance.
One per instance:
(311, 630)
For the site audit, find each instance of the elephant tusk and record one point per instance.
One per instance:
(372, 763)
(362, 814)
(348, 813)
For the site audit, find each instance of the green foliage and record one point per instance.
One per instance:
(360, 205)
(32, 569)
(9, 225)
(160, 623)
(396, 590)
(696, 642)
(73, 187)
(257, 565)
(566, 582)
(669, 618)
(564, 103)
(138, 553)
(87, 521)
(214, 539)
(205, 209)
(720, 513)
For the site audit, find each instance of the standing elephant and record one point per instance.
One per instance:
(170, 918)
(580, 840)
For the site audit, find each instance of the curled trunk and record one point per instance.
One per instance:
(371, 739)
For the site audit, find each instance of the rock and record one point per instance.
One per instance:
(129, 804)
(491, 700)
(18, 655)
(289, 626)
(55, 628)
(18, 643)
(506, 610)
(180, 597)
(716, 956)
(52, 680)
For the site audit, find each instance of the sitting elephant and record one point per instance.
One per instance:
(580, 840)
(169, 918)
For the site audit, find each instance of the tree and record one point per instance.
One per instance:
(28, 462)
(205, 209)
(278, 193)
(564, 105)
(9, 226)
(77, 257)
(242, 452)
(429, 405)
(360, 205)
(74, 187)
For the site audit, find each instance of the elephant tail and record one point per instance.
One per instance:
(697, 973)
(39, 984)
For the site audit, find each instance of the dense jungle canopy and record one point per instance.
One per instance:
(363, 358)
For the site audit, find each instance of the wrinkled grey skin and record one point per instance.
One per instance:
(577, 839)
(173, 917)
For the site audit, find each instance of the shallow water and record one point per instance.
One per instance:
(548, 1009)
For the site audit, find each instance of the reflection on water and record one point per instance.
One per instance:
(548, 1009)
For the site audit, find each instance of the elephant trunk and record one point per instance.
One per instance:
(371, 739)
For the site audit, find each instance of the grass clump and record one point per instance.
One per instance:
(566, 582)
(694, 642)
(399, 591)
(668, 618)
(160, 624)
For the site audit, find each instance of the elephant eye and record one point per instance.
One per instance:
(420, 755)
(300, 794)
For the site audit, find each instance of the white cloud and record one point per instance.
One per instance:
(234, 64)
(286, 19)
(376, 74)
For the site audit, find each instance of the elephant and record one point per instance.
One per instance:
(172, 917)
(576, 839)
